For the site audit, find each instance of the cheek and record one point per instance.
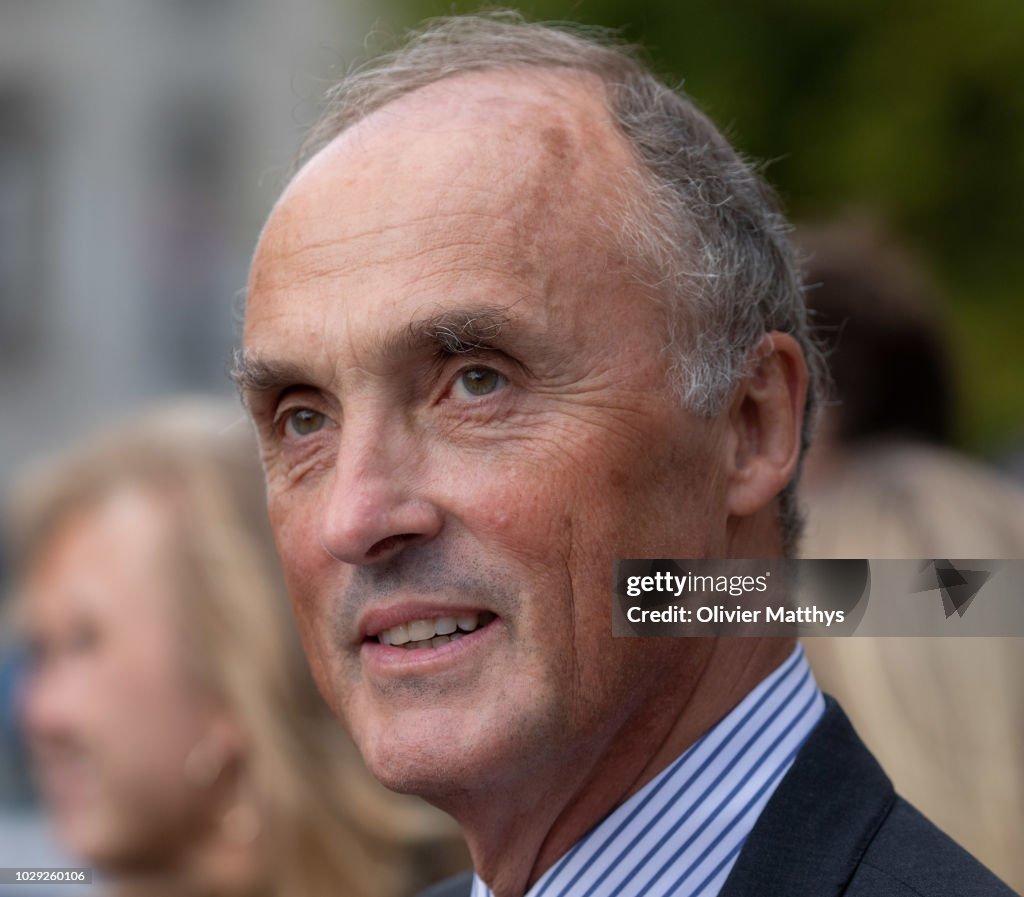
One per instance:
(520, 511)
(303, 558)
(143, 733)
(307, 572)
(312, 622)
(291, 516)
(159, 720)
(540, 527)
(527, 527)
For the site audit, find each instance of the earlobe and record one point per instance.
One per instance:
(764, 424)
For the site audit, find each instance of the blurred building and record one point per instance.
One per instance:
(141, 144)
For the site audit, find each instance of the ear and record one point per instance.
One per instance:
(764, 423)
(219, 747)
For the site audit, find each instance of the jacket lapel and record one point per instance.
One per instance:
(813, 832)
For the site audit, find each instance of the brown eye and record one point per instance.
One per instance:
(475, 382)
(305, 421)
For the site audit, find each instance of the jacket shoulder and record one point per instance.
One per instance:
(834, 826)
(457, 886)
(909, 856)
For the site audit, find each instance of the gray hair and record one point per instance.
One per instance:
(708, 230)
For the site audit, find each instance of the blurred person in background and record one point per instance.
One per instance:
(180, 743)
(944, 716)
(883, 451)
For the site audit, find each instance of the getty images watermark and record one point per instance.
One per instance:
(923, 597)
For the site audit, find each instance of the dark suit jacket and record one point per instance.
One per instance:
(835, 826)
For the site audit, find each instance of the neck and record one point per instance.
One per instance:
(515, 838)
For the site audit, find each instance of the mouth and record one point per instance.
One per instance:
(432, 632)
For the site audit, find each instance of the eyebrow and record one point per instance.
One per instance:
(251, 373)
(452, 332)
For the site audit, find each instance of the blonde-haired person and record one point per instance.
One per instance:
(180, 742)
(945, 717)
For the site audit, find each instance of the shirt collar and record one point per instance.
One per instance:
(681, 833)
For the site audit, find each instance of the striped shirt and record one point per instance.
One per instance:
(681, 833)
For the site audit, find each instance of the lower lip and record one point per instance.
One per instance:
(393, 660)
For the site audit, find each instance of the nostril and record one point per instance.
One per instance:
(385, 545)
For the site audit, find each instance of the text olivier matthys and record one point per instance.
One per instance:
(690, 584)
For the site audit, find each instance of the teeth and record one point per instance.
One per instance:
(396, 635)
(445, 625)
(420, 630)
(432, 633)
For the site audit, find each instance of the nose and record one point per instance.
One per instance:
(374, 508)
(46, 706)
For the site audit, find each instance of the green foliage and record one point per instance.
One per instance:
(913, 111)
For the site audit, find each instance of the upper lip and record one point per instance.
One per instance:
(375, 620)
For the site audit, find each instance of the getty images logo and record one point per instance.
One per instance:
(957, 585)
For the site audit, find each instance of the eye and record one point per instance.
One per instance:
(83, 639)
(477, 382)
(304, 421)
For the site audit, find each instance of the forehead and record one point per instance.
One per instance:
(515, 143)
(107, 557)
(492, 182)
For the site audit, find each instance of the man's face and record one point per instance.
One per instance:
(109, 713)
(464, 412)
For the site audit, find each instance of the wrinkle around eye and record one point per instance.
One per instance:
(292, 465)
(290, 457)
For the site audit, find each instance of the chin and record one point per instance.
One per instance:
(428, 767)
(442, 756)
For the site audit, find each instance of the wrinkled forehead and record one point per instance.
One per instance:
(534, 152)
